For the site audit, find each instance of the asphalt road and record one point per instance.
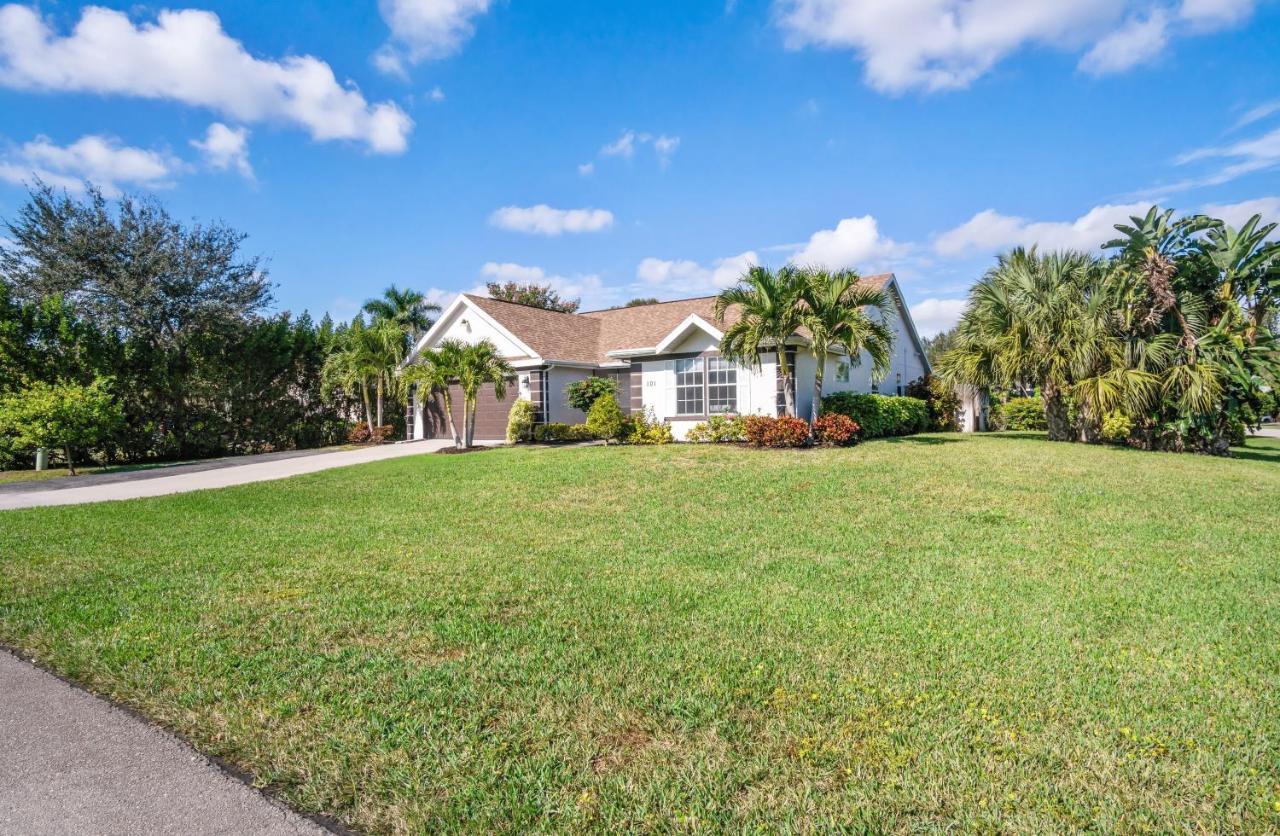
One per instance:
(71, 763)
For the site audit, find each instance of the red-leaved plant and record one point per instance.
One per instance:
(763, 431)
(836, 430)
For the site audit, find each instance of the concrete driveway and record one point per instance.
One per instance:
(73, 763)
(1267, 432)
(198, 476)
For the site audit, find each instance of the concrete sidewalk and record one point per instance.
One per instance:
(71, 763)
(198, 476)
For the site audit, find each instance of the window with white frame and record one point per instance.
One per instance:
(842, 371)
(689, 395)
(722, 386)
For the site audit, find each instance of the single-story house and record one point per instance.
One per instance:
(664, 357)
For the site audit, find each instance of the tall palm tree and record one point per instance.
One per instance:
(433, 373)
(407, 308)
(769, 313)
(834, 312)
(384, 344)
(350, 366)
(478, 365)
(1026, 321)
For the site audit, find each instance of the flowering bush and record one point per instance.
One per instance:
(836, 430)
(763, 431)
(717, 429)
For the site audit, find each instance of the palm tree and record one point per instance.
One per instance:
(384, 344)
(433, 373)
(407, 308)
(769, 313)
(477, 365)
(834, 314)
(1026, 321)
(350, 367)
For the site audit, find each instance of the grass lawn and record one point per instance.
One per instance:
(973, 633)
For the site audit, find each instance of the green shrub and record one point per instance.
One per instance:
(581, 394)
(605, 420)
(943, 403)
(520, 421)
(1019, 414)
(766, 431)
(60, 416)
(1116, 427)
(644, 428)
(557, 433)
(716, 430)
(880, 415)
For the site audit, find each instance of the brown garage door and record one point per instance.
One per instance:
(491, 413)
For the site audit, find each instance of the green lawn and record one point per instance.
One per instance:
(943, 632)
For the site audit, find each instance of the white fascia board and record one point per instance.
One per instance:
(691, 322)
(433, 335)
(904, 313)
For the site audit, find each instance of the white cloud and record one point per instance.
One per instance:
(689, 278)
(1245, 157)
(665, 146)
(545, 220)
(854, 243)
(625, 146)
(1255, 114)
(1215, 14)
(423, 30)
(1236, 214)
(589, 288)
(933, 316)
(989, 231)
(587, 169)
(435, 94)
(1137, 41)
(947, 44)
(226, 148)
(100, 160)
(185, 56)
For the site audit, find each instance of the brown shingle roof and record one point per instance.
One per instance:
(589, 337)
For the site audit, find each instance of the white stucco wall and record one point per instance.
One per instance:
(469, 326)
(757, 392)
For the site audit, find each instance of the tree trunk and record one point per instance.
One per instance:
(368, 412)
(379, 389)
(1090, 424)
(788, 384)
(1055, 413)
(448, 412)
(817, 395)
(468, 409)
(71, 464)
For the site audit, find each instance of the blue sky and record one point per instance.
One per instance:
(646, 148)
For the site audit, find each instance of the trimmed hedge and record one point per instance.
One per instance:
(880, 415)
